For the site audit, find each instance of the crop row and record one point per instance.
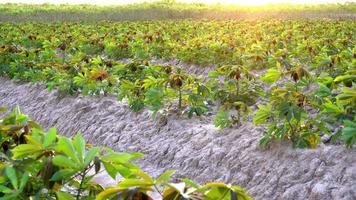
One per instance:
(308, 84)
(253, 44)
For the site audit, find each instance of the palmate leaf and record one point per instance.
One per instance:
(50, 137)
(271, 76)
(323, 91)
(136, 104)
(119, 163)
(349, 133)
(125, 89)
(154, 98)
(198, 110)
(66, 146)
(334, 109)
(262, 114)
(347, 96)
(290, 111)
(222, 119)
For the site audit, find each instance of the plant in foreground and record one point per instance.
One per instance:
(43, 165)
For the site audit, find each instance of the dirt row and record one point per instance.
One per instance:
(194, 147)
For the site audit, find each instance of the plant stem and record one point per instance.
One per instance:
(292, 129)
(180, 98)
(158, 190)
(81, 185)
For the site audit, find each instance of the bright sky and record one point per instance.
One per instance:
(116, 2)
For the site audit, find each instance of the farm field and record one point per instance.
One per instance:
(218, 99)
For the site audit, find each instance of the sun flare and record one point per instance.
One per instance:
(118, 2)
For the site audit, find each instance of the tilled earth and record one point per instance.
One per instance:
(194, 147)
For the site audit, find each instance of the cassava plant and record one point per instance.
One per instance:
(44, 165)
(235, 89)
(287, 115)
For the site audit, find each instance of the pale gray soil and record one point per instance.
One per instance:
(194, 147)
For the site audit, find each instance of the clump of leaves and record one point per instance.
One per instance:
(286, 115)
(235, 89)
(43, 165)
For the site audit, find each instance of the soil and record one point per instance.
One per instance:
(194, 147)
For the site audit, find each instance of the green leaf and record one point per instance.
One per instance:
(240, 193)
(348, 135)
(191, 183)
(24, 179)
(63, 174)
(110, 169)
(108, 192)
(154, 98)
(33, 140)
(64, 196)
(65, 145)
(79, 145)
(50, 137)
(221, 193)
(124, 171)
(90, 155)
(262, 114)
(122, 157)
(347, 96)
(271, 76)
(24, 150)
(334, 109)
(165, 177)
(5, 189)
(128, 183)
(11, 174)
(343, 78)
(136, 104)
(62, 161)
(222, 119)
(323, 91)
(142, 174)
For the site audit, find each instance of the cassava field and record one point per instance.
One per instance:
(178, 101)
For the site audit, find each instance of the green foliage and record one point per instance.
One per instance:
(286, 115)
(48, 166)
(309, 65)
(235, 88)
(349, 133)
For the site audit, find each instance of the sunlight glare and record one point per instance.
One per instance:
(120, 2)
